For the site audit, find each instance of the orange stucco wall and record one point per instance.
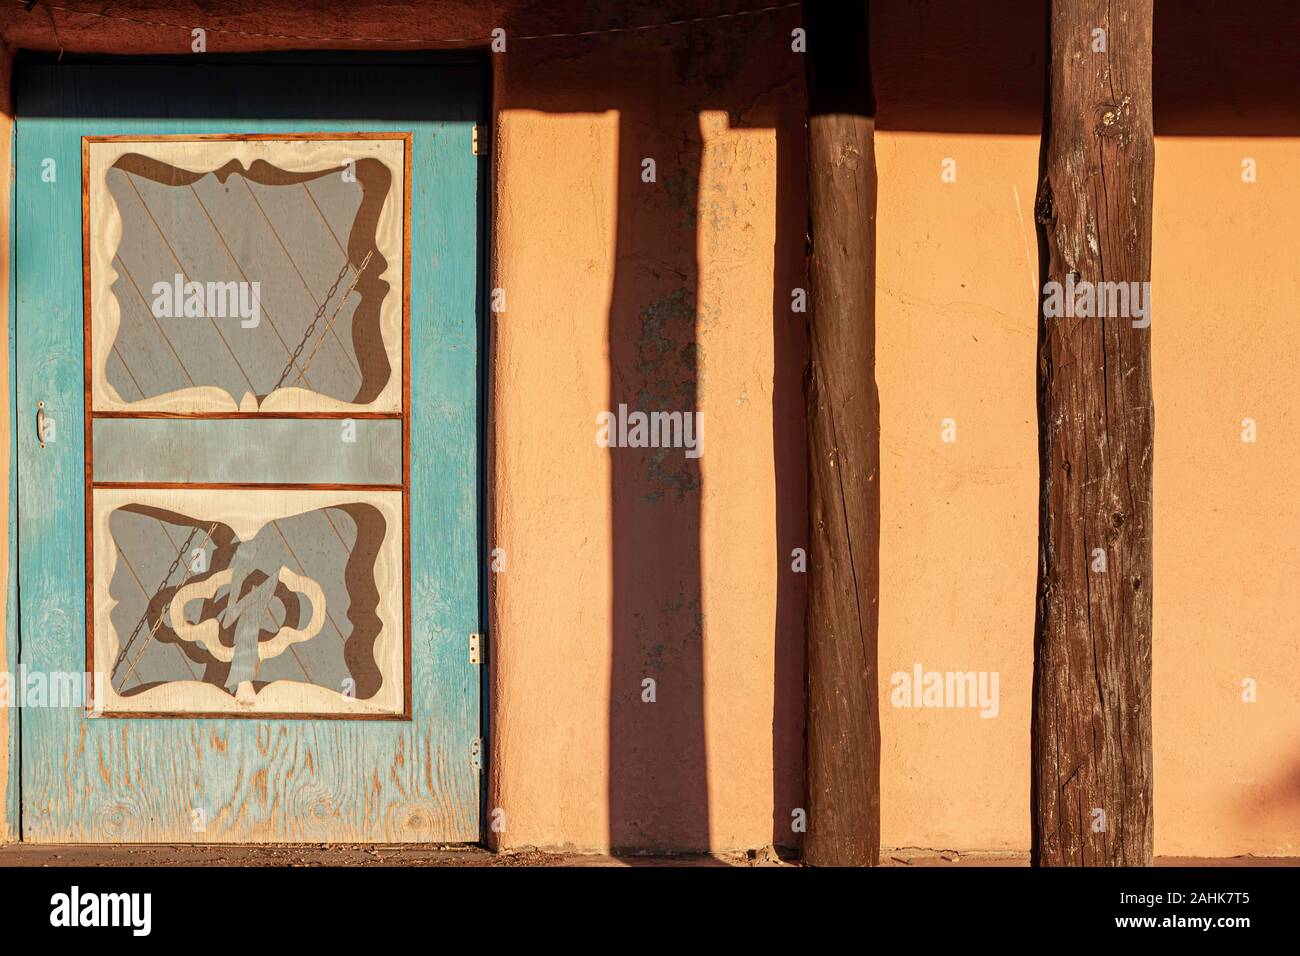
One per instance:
(617, 565)
(956, 339)
(557, 511)
(956, 329)
(1226, 548)
(621, 565)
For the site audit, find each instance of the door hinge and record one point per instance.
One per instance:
(476, 648)
(478, 142)
(476, 754)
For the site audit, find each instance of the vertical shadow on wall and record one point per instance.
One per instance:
(658, 769)
(660, 83)
(1042, 212)
(790, 466)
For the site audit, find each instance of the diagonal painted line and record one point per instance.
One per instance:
(157, 624)
(301, 278)
(303, 571)
(148, 311)
(240, 269)
(167, 242)
(145, 591)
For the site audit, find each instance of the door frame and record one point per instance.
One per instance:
(11, 819)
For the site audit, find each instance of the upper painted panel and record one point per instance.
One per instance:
(246, 274)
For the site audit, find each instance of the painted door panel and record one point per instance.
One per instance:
(249, 779)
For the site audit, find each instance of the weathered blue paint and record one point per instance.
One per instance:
(254, 780)
(12, 804)
(275, 450)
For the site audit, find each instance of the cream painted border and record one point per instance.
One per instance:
(292, 155)
(247, 512)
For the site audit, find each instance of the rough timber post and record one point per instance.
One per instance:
(1091, 731)
(843, 444)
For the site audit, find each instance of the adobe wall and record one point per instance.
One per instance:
(622, 564)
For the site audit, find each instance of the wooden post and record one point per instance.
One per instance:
(843, 445)
(1091, 728)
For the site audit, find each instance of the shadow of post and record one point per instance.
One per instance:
(658, 768)
(790, 467)
(661, 83)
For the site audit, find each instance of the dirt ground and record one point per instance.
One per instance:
(57, 855)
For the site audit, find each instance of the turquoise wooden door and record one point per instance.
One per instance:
(248, 476)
